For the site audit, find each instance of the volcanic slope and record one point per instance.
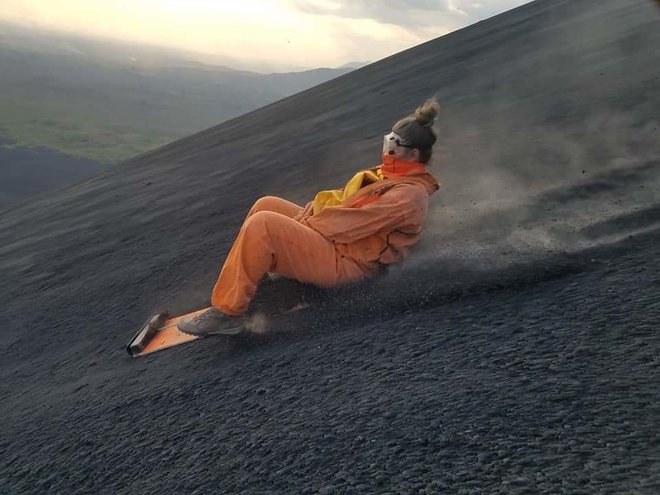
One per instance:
(26, 172)
(516, 352)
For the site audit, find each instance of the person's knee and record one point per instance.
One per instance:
(258, 222)
(263, 204)
(268, 224)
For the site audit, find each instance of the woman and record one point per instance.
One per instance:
(342, 236)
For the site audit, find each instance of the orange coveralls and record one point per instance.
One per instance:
(339, 245)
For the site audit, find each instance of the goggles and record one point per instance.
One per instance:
(391, 141)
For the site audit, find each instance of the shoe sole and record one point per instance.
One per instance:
(224, 331)
(227, 331)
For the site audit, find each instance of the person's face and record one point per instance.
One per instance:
(394, 145)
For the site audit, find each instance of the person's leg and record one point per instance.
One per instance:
(275, 204)
(272, 242)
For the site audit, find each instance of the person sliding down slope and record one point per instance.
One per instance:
(342, 236)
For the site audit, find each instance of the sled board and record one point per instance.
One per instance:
(160, 331)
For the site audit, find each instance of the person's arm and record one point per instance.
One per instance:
(344, 225)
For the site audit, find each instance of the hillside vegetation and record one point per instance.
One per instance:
(108, 101)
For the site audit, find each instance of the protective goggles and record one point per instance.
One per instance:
(391, 141)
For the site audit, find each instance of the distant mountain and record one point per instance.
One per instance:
(20, 38)
(354, 65)
(110, 100)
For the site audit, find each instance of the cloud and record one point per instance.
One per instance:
(410, 14)
(406, 13)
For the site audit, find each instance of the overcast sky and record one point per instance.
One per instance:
(285, 34)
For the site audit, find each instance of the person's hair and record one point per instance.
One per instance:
(416, 130)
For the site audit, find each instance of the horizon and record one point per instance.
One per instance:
(293, 34)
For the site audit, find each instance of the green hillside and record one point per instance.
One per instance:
(109, 102)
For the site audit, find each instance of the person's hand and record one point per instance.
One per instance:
(305, 213)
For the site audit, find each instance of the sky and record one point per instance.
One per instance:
(273, 34)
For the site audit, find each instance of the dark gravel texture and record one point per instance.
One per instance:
(27, 172)
(517, 351)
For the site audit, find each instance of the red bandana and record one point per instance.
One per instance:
(393, 168)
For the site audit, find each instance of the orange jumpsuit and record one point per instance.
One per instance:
(341, 244)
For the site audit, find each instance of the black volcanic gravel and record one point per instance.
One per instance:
(27, 172)
(517, 351)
